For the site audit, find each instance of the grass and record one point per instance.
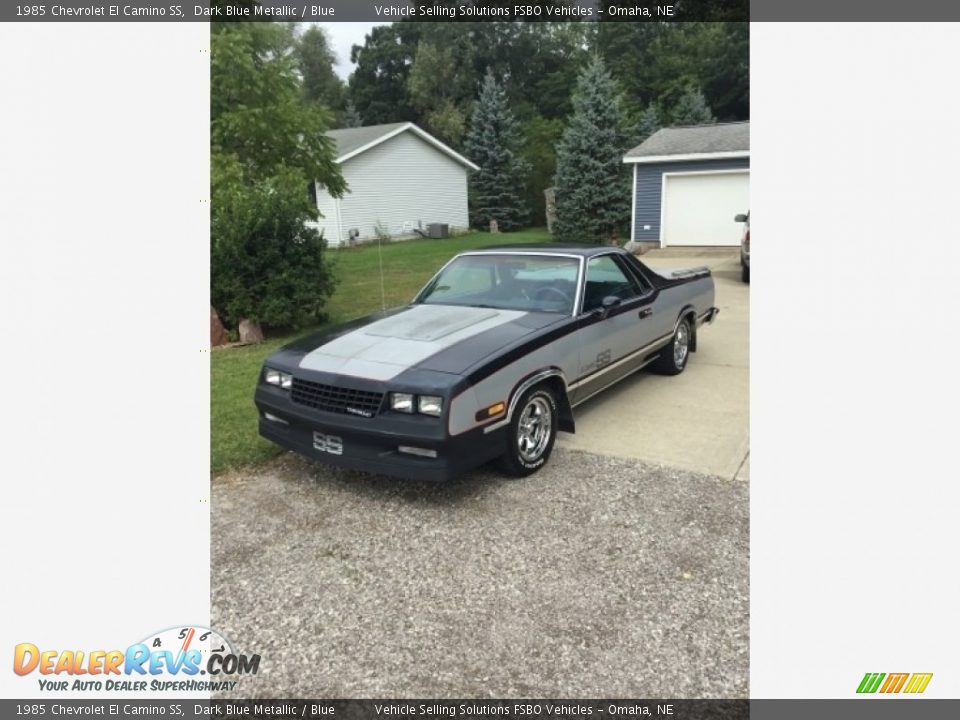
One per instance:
(233, 371)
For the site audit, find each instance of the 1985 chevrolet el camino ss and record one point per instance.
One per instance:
(486, 363)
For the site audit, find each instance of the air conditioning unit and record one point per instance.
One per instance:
(438, 230)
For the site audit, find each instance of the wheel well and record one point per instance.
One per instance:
(690, 314)
(556, 383)
(566, 411)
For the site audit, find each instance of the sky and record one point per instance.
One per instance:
(344, 35)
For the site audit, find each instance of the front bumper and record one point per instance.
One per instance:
(372, 444)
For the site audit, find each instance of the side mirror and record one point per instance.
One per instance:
(740, 218)
(608, 303)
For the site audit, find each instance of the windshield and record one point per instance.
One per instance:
(543, 283)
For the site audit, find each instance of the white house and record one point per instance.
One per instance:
(400, 179)
(689, 183)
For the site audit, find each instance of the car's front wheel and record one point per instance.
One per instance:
(532, 432)
(673, 357)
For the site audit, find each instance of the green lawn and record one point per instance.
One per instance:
(233, 371)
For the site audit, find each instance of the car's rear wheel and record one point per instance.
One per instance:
(532, 432)
(673, 358)
(745, 273)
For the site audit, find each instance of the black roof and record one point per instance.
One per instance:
(559, 248)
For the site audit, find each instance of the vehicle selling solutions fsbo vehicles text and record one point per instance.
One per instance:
(478, 12)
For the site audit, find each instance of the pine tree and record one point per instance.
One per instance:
(497, 189)
(692, 109)
(593, 193)
(649, 123)
(351, 116)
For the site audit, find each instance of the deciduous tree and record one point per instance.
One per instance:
(317, 63)
(268, 145)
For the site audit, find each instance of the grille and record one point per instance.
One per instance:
(362, 403)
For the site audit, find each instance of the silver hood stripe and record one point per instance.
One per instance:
(388, 347)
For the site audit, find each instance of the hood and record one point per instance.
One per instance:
(444, 338)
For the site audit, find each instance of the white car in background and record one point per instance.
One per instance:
(744, 247)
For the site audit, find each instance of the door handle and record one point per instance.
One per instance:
(645, 313)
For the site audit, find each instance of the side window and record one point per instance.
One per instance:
(604, 278)
(634, 273)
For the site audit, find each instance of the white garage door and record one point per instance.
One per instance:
(699, 209)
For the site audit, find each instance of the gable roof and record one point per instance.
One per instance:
(353, 141)
(694, 142)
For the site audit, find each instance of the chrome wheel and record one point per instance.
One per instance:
(534, 428)
(681, 344)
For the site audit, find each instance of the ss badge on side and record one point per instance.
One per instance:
(327, 443)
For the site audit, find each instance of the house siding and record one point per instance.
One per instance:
(401, 184)
(327, 222)
(648, 178)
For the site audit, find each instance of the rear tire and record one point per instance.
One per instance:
(674, 356)
(745, 273)
(531, 433)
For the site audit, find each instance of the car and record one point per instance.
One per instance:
(485, 364)
(744, 246)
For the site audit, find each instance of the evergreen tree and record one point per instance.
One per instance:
(593, 193)
(649, 123)
(351, 116)
(493, 144)
(692, 109)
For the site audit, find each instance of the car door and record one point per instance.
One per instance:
(615, 322)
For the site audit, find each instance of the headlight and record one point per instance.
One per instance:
(430, 405)
(401, 402)
(275, 377)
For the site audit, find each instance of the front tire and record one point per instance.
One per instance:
(531, 433)
(674, 357)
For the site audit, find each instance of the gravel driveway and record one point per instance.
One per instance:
(596, 577)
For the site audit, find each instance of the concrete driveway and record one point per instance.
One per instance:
(699, 420)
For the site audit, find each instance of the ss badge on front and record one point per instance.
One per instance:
(327, 443)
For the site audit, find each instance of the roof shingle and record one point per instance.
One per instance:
(349, 139)
(695, 140)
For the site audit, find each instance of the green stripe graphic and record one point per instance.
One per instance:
(871, 682)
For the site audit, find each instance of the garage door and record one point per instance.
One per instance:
(699, 209)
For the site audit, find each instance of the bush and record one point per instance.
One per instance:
(266, 263)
